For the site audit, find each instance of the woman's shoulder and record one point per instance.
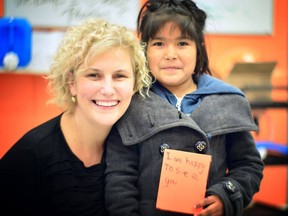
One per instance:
(43, 130)
(45, 133)
(36, 143)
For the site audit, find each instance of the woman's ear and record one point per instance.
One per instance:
(71, 83)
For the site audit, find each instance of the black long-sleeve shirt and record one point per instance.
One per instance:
(40, 175)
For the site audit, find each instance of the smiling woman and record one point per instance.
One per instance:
(57, 168)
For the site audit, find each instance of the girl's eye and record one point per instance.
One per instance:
(158, 44)
(183, 43)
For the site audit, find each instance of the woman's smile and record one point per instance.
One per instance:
(106, 103)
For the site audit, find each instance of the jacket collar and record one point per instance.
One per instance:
(146, 117)
(207, 85)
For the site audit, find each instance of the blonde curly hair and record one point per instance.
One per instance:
(82, 43)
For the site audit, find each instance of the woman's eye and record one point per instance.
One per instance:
(94, 75)
(120, 76)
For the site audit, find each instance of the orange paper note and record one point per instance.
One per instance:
(183, 181)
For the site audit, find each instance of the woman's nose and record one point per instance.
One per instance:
(107, 87)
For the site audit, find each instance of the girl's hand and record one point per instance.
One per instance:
(212, 206)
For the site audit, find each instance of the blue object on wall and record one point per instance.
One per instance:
(15, 37)
(282, 149)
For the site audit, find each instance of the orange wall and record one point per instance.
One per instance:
(22, 106)
(1, 8)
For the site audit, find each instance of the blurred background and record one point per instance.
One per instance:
(247, 45)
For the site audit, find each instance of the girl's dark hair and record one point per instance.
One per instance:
(185, 14)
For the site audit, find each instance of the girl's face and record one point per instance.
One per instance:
(105, 88)
(172, 59)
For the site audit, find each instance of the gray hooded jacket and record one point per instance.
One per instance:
(135, 152)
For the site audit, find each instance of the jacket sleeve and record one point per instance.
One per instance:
(243, 176)
(121, 193)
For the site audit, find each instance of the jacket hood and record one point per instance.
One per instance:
(224, 113)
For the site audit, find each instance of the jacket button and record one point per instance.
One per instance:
(230, 187)
(163, 147)
(200, 147)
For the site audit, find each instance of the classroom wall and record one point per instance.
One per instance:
(1, 7)
(23, 96)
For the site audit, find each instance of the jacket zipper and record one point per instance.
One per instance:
(178, 106)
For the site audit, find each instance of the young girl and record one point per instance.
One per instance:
(177, 58)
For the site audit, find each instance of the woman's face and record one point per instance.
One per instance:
(105, 88)
(172, 59)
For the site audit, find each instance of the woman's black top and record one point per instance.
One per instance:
(40, 175)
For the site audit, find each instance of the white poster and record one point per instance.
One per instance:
(250, 17)
(63, 13)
